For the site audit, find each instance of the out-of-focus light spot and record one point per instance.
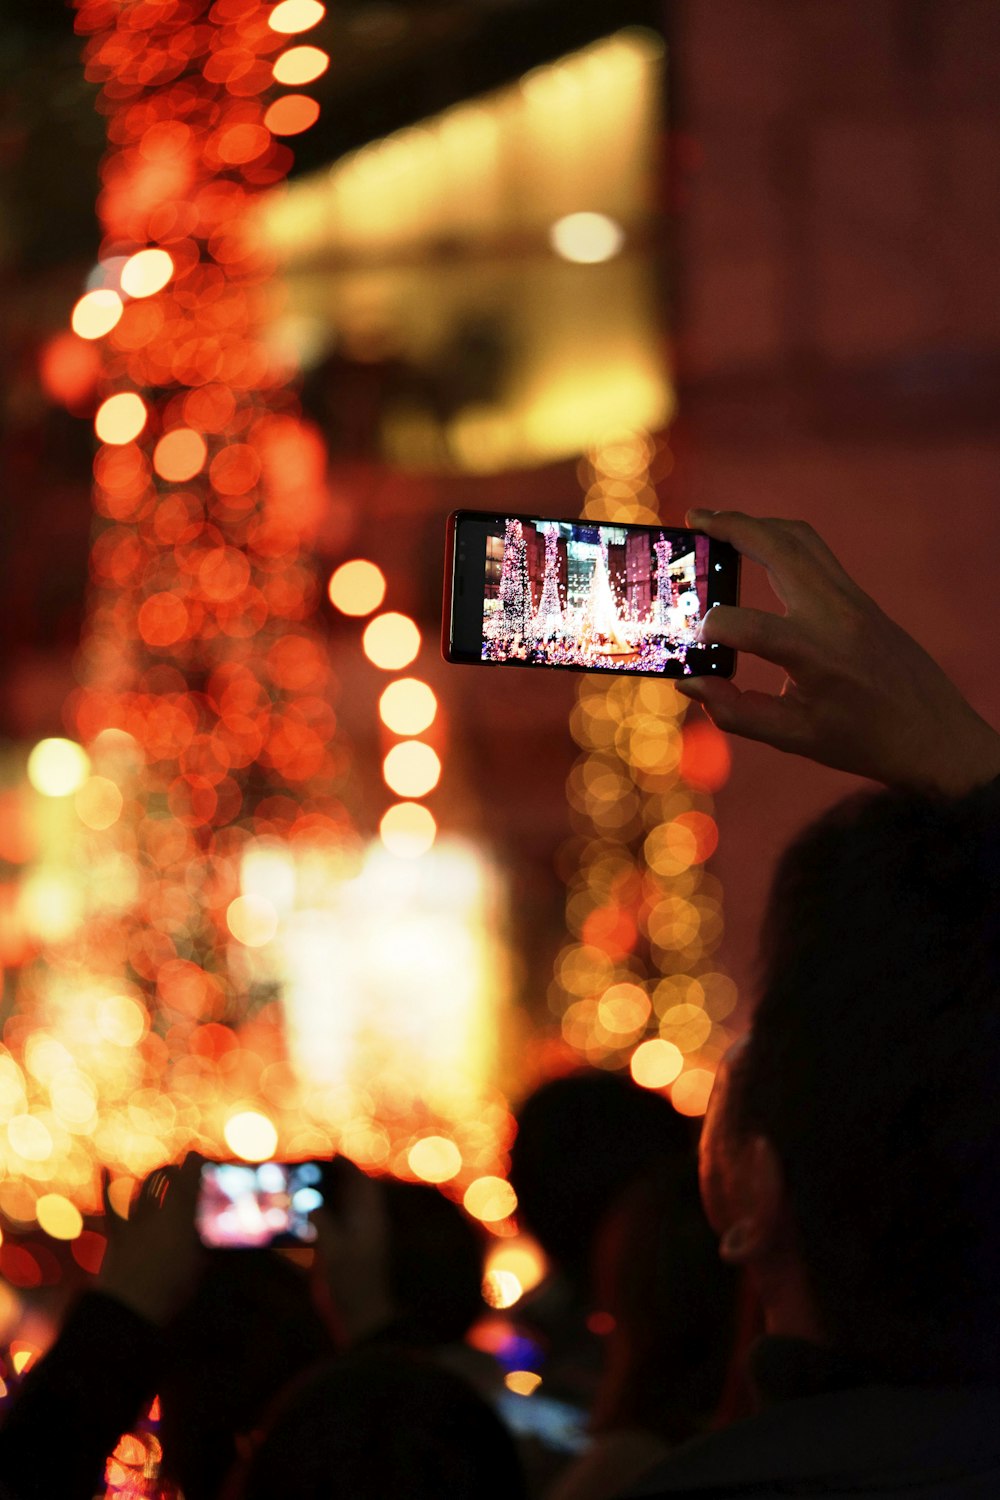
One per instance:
(412, 769)
(656, 1063)
(29, 1138)
(251, 1136)
(252, 920)
(434, 1159)
(268, 872)
(522, 1382)
(623, 1009)
(69, 369)
(120, 1019)
(601, 1324)
(89, 1250)
(120, 418)
(180, 455)
(501, 1289)
(705, 759)
(98, 803)
(586, 238)
(687, 1026)
(22, 1356)
(146, 273)
(407, 706)
(357, 587)
(292, 16)
(96, 313)
(522, 1259)
(120, 1191)
(51, 905)
(291, 115)
(408, 830)
(300, 65)
(162, 619)
(690, 1094)
(58, 1216)
(391, 641)
(58, 767)
(490, 1199)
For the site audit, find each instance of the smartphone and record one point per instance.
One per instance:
(257, 1205)
(585, 595)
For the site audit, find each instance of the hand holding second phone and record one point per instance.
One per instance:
(352, 1255)
(860, 694)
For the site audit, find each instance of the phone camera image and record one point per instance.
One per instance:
(243, 1205)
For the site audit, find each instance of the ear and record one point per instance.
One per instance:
(756, 1203)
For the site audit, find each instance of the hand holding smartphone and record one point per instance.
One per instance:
(585, 595)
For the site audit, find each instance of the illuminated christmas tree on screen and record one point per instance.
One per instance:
(515, 590)
(549, 618)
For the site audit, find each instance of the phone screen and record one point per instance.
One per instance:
(244, 1205)
(588, 595)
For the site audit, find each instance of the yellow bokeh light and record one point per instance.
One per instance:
(120, 1020)
(687, 1026)
(58, 1217)
(58, 767)
(408, 830)
(251, 1135)
(690, 1094)
(357, 587)
(521, 1258)
(656, 1063)
(408, 706)
(412, 769)
(252, 920)
(120, 418)
(391, 641)
(501, 1289)
(291, 16)
(29, 1138)
(434, 1159)
(586, 238)
(300, 65)
(146, 272)
(98, 803)
(96, 313)
(51, 904)
(490, 1199)
(623, 1009)
(522, 1382)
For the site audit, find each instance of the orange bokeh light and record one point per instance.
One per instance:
(120, 418)
(291, 16)
(300, 65)
(391, 641)
(357, 587)
(691, 1093)
(96, 313)
(291, 114)
(412, 769)
(180, 455)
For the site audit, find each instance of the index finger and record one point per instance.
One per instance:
(787, 549)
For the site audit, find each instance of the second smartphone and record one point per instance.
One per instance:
(596, 596)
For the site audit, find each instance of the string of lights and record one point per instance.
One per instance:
(636, 984)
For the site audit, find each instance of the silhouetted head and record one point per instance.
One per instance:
(580, 1141)
(382, 1423)
(435, 1265)
(250, 1328)
(851, 1155)
(674, 1306)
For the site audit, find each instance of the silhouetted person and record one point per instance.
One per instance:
(379, 1424)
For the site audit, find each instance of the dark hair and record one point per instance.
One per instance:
(382, 1422)
(580, 1141)
(873, 1068)
(435, 1265)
